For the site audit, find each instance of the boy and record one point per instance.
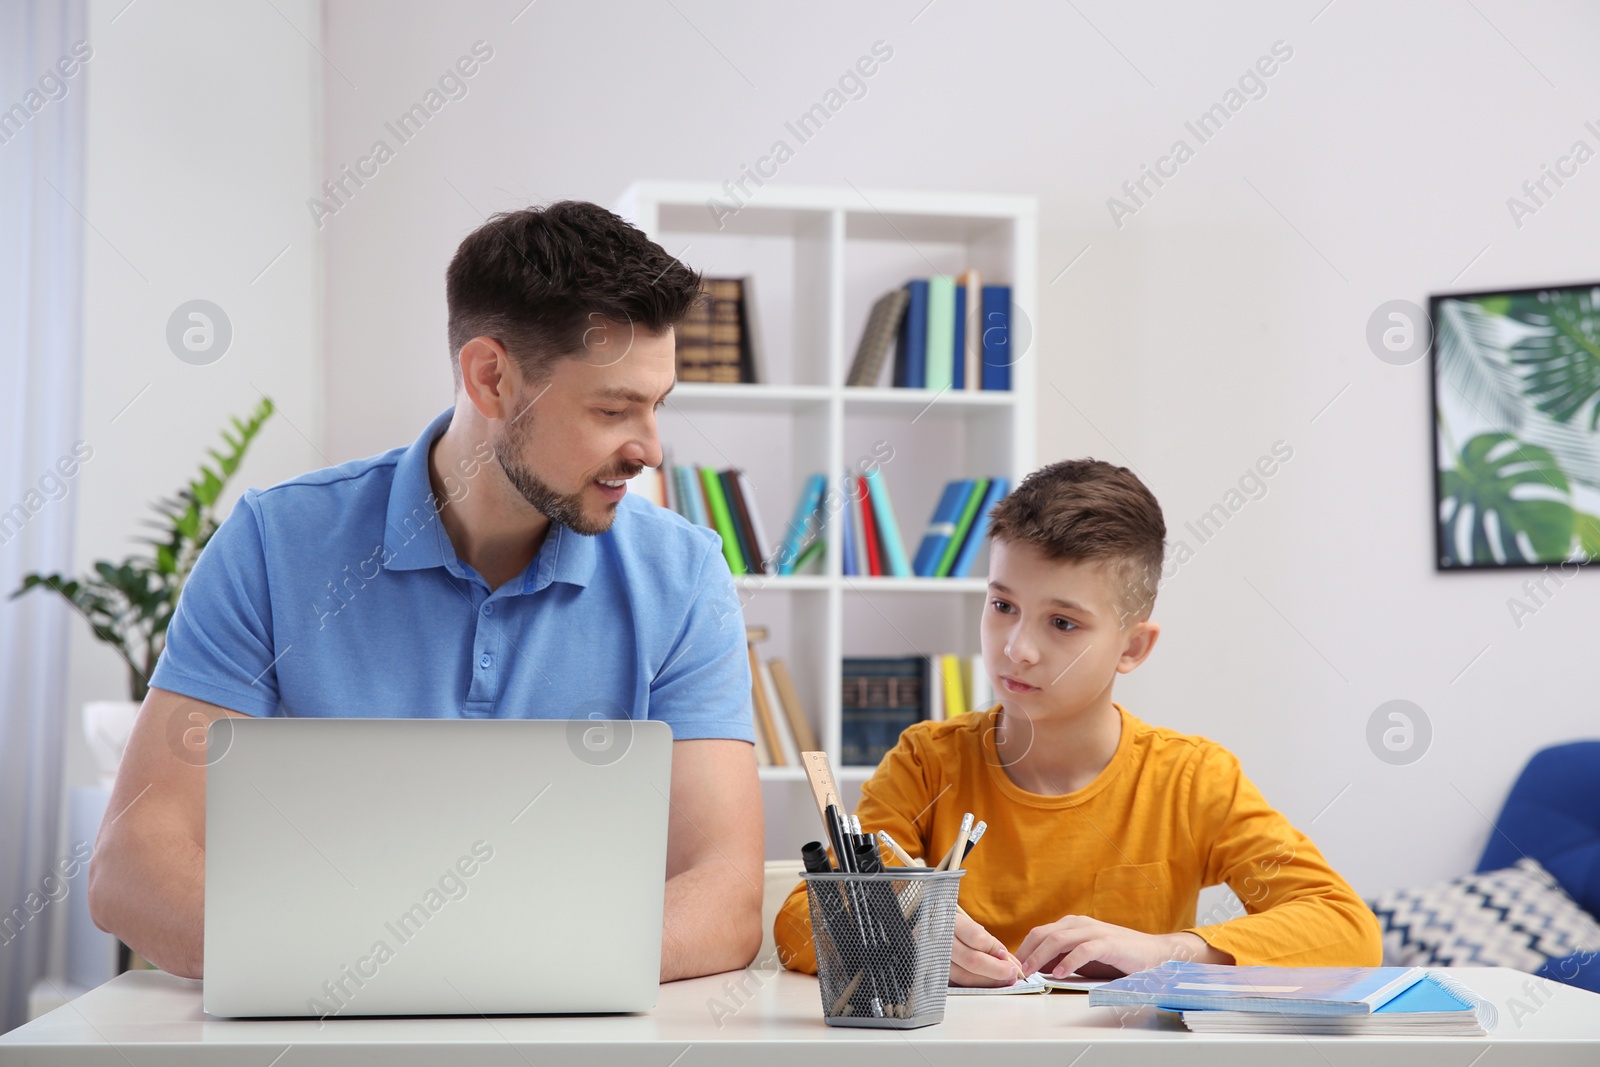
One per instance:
(1102, 829)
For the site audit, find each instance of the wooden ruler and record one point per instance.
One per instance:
(820, 773)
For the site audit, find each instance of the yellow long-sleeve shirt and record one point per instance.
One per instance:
(1167, 816)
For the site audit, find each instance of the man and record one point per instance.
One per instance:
(495, 568)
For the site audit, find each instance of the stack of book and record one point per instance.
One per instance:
(718, 340)
(946, 333)
(1214, 998)
(881, 696)
(782, 729)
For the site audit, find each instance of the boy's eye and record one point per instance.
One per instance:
(1000, 606)
(1064, 625)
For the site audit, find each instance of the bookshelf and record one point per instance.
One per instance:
(819, 257)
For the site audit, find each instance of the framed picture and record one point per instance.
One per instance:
(1516, 417)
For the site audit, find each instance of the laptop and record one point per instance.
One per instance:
(434, 866)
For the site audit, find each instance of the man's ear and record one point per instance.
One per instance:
(1141, 639)
(489, 377)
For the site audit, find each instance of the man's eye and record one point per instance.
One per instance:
(612, 414)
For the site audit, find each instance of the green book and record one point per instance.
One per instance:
(722, 519)
(941, 333)
(969, 510)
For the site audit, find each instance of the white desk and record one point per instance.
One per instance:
(150, 1019)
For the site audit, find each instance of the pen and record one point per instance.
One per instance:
(815, 856)
(838, 836)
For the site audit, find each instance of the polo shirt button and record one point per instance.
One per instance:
(484, 660)
(488, 609)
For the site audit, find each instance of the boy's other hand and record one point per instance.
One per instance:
(978, 958)
(1064, 947)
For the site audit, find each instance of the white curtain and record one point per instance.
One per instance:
(41, 259)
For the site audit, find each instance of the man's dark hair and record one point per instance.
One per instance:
(1087, 509)
(536, 279)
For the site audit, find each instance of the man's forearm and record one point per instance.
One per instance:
(153, 898)
(712, 922)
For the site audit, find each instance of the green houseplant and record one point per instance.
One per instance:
(129, 604)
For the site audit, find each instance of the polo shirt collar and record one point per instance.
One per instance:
(414, 538)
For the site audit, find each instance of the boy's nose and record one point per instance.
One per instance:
(1019, 649)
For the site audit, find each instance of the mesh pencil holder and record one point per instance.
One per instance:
(883, 945)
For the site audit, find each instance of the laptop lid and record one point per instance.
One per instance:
(434, 866)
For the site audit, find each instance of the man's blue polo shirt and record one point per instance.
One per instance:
(339, 594)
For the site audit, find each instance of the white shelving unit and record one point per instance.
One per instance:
(819, 258)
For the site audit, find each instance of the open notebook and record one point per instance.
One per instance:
(1037, 982)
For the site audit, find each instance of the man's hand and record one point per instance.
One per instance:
(978, 958)
(1063, 948)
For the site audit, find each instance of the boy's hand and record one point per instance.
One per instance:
(978, 958)
(1065, 946)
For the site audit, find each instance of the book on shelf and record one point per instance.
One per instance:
(894, 550)
(878, 338)
(782, 728)
(873, 545)
(994, 338)
(718, 341)
(957, 684)
(882, 695)
(961, 564)
(940, 353)
(955, 333)
(911, 346)
(805, 526)
(726, 502)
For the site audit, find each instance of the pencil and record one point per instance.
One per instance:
(957, 847)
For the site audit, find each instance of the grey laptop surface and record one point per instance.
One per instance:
(434, 866)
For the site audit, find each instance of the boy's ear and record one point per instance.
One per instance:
(1141, 640)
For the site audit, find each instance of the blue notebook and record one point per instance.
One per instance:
(941, 527)
(1435, 1004)
(1282, 990)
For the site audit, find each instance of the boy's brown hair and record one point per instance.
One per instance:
(1090, 510)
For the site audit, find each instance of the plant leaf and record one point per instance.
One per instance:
(1504, 502)
(1561, 363)
(1473, 361)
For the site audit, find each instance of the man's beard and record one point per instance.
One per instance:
(564, 509)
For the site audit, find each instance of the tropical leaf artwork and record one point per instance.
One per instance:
(1516, 380)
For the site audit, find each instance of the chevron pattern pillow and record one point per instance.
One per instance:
(1516, 917)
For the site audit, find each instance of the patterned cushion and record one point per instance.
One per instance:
(1516, 917)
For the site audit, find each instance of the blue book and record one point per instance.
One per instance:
(895, 564)
(980, 527)
(941, 527)
(690, 496)
(1180, 986)
(958, 368)
(911, 350)
(794, 537)
(995, 335)
(1437, 1004)
(847, 538)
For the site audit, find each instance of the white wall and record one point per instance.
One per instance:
(1220, 318)
(203, 135)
